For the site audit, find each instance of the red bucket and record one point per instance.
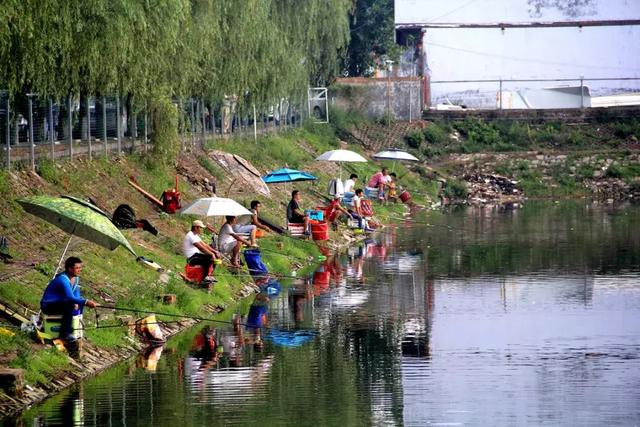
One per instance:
(319, 230)
(405, 196)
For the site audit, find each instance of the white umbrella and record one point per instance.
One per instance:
(341, 156)
(395, 154)
(215, 206)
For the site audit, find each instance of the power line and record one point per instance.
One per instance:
(538, 61)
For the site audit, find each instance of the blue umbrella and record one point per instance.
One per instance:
(286, 338)
(287, 175)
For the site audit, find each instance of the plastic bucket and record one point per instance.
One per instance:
(253, 258)
(319, 230)
(405, 196)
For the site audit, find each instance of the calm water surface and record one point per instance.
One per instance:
(481, 317)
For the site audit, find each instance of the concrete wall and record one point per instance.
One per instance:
(524, 53)
(371, 96)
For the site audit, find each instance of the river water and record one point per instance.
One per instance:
(480, 317)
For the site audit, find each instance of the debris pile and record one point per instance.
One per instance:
(491, 189)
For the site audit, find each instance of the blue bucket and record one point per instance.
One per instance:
(254, 262)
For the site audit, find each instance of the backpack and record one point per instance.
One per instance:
(336, 188)
(124, 217)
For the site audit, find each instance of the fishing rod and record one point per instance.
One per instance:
(308, 259)
(185, 316)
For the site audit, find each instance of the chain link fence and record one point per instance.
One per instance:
(38, 128)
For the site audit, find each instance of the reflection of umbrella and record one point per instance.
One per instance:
(287, 175)
(290, 338)
(340, 156)
(215, 206)
(78, 218)
(395, 155)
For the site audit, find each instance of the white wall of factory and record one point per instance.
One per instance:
(524, 53)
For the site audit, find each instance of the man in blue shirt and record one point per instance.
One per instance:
(62, 296)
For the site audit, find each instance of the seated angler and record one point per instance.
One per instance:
(197, 252)
(62, 297)
(295, 215)
(230, 242)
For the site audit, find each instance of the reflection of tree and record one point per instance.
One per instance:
(568, 238)
(569, 8)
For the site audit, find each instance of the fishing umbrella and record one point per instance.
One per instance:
(285, 175)
(341, 156)
(78, 218)
(395, 155)
(215, 206)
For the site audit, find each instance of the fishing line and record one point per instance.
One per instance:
(185, 316)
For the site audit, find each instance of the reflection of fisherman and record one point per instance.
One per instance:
(205, 348)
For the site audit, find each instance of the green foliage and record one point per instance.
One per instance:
(455, 189)
(626, 128)
(414, 138)
(437, 133)
(372, 37)
(164, 138)
(345, 121)
(48, 171)
(265, 49)
(626, 172)
(4, 181)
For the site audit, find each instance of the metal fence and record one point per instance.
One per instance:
(39, 128)
(498, 94)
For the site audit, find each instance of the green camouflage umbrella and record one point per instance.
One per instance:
(78, 218)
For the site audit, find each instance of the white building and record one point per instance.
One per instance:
(519, 40)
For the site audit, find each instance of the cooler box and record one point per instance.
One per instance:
(317, 215)
(51, 326)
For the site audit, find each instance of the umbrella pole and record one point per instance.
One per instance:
(63, 254)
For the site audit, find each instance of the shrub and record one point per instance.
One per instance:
(414, 138)
(436, 134)
(614, 171)
(48, 171)
(455, 189)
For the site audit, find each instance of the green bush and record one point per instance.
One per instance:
(414, 138)
(48, 171)
(436, 134)
(614, 171)
(455, 189)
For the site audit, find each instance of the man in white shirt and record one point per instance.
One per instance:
(197, 252)
(231, 242)
(350, 184)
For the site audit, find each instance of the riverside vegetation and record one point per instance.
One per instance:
(115, 278)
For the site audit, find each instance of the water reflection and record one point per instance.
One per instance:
(482, 317)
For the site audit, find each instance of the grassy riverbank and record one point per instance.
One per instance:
(114, 277)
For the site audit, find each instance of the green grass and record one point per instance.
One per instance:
(38, 366)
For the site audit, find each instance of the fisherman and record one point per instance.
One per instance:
(295, 215)
(255, 212)
(230, 242)
(333, 211)
(62, 297)
(199, 253)
(378, 182)
(350, 184)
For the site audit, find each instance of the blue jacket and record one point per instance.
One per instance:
(60, 289)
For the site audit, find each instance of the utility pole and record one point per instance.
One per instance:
(388, 62)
